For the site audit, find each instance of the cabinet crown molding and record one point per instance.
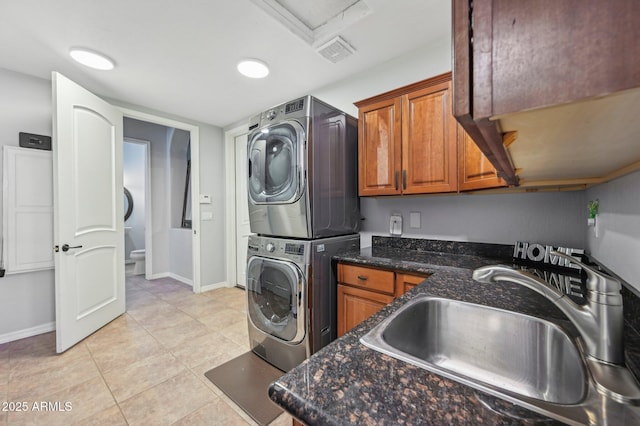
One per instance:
(438, 79)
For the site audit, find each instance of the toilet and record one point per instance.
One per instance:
(138, 256)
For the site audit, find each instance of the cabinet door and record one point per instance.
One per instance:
(356, 305)
(379, 138)
(405, 282)
(428, 141)
(523, 51)
(475, 171)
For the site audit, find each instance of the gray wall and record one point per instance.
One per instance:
(212, 181)
(555, 218)
(618, 242)
(26, 300)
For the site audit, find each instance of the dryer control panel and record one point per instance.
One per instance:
(282, 248)
(297, 249)
(294, 106)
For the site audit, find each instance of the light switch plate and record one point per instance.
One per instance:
(207, 215)
(205, 199)
(414, 220)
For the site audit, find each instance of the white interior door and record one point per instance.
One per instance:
(243, 228)
(88, 212)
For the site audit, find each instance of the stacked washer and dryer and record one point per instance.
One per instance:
(304, 208)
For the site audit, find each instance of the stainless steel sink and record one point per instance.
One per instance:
(522, 359)
(484, 347)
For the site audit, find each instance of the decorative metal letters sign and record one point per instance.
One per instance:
(538, 253)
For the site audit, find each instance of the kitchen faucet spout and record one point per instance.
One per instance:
(599, 321)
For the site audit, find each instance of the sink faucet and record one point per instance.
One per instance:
(599, 322)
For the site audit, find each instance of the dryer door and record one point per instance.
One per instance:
(275, 294)
(276, 163)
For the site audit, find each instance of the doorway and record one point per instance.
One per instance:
(137, 218)
(161, 230)
(162, 240)
(238, 226)
(243, 226)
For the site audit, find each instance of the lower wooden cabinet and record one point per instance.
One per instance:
(363, 291)
(405, 282)
(356, 305)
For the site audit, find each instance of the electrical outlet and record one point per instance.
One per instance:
(395, 225)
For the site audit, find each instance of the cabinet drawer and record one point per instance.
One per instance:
(368, 278)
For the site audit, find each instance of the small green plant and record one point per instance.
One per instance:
(593, 208)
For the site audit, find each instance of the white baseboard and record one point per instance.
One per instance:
(27, 332)
(214, 286)
(183, 280)
(157, 276)
(176, 277)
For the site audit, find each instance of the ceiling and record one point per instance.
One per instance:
(179, 57)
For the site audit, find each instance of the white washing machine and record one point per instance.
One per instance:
(291, 296)
(303, 171)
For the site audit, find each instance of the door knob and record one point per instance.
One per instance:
(67, 247)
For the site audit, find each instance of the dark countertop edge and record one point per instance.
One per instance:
(309, 414)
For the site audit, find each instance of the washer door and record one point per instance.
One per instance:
(274, 163)
(275, 298)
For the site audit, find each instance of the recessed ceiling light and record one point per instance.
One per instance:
(91, 58)
(253, 68)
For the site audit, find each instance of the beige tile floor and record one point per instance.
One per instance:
(144, 368)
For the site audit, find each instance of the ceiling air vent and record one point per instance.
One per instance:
(336, 50)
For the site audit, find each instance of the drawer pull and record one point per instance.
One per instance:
(362, 277)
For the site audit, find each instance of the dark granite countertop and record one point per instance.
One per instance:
(348, 383)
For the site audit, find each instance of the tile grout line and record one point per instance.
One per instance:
(107, 384)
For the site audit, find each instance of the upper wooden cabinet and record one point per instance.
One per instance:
(563, 74)
(407, 140)
(429, 155)
(475, 171)
(379, 147)
(410, 143)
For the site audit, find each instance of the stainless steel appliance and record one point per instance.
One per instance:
(303, 171)
(291, 293)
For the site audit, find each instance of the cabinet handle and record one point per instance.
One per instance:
(363, 277)
(397, 173)
(404, 179)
